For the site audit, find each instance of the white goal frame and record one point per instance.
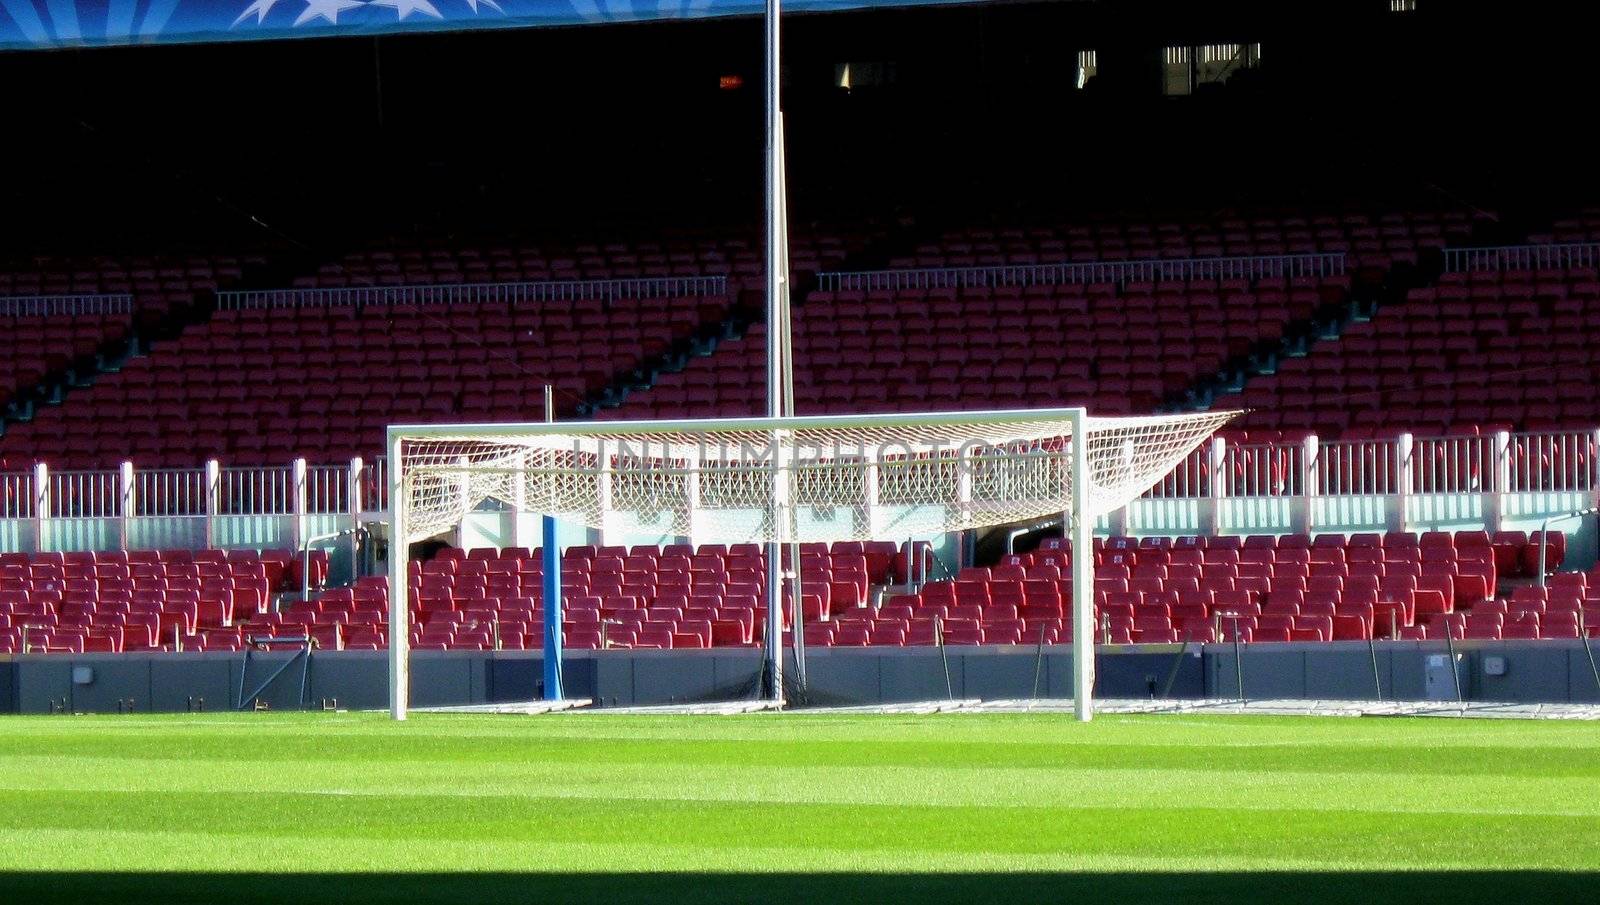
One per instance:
(1079, 530)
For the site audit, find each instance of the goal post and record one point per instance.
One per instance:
(788, 480)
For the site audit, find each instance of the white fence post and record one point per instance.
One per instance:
(691, 494)
(604, 484)
(869, 496)
(213, 498)
(1304, 521)
(127, 502)
(41, 507)
(297, 494)
(354, 507)
(1217, 464)
(1499, 483)
(1121, 520)
(1594, 468)
(519, 501)
(1404, 481)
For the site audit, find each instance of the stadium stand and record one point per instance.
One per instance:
(1375, 240)
(251, 378)
(681, 255)
(143, 600)
(1154, 590)
(1582, 226)
(245, 386)
(63, 319)
(1132, 345)
(1480, 350)
(1331, 587)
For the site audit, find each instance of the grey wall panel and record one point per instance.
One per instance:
(519, 678)
(1407, 671)
(115, 680)
(844, 676)
(613, 681)
(287, 691)
(991, 675)
(1531, 674)
(201, 681)
(42, 681)
(443, 678)
(1057, 679)
(1537, 671)
(917, 674)
(1581, 682)
(349, 681)
(1344, 674)
(1130, 674)
(8, 687)
(667, 679)
(738, 676)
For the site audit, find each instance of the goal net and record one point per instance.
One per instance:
(790, 480)
(799, 479)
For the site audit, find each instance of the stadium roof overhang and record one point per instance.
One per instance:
(49, 24)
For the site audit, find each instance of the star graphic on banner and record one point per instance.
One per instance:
(489, 3)
(326, 9)
(260, 8)
(405, 8)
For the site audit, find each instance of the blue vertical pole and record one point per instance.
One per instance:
(552, 612)
(552, 587)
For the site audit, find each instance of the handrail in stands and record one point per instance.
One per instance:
(474, 293)
(74, 304)
(1549, 256)
(1139, 270)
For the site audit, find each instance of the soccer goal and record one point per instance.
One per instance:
(781, 481)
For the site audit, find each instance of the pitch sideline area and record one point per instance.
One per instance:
(839, 806)
(1106, 707)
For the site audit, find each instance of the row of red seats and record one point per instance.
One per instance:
(684, 256)
(1516, 346)
(456, 369)
(1373, 240)
(945, 353)
(141, 600)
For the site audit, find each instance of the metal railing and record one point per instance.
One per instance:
(1141, 270)
(86, 494)
(170, 492)
(1357, 468)
(1452, 464)
(475, 293)
(374, 480)
(256, 491)
(16, 495)
(1262, 470)
(1267, 487)
(1553, 463)
(1191, 479)
(72, 304)
(327, 489)
(1522, 257)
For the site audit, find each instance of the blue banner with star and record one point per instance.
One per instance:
(44, 24)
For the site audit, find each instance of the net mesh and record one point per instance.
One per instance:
(793, 479)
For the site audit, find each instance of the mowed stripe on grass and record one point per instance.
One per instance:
(999, 794)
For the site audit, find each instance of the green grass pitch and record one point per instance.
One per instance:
(993, 808)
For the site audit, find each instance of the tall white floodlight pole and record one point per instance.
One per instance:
(1081, 527)
(777, 342)
(399, 587)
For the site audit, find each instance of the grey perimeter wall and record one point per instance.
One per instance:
(1542, 671)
